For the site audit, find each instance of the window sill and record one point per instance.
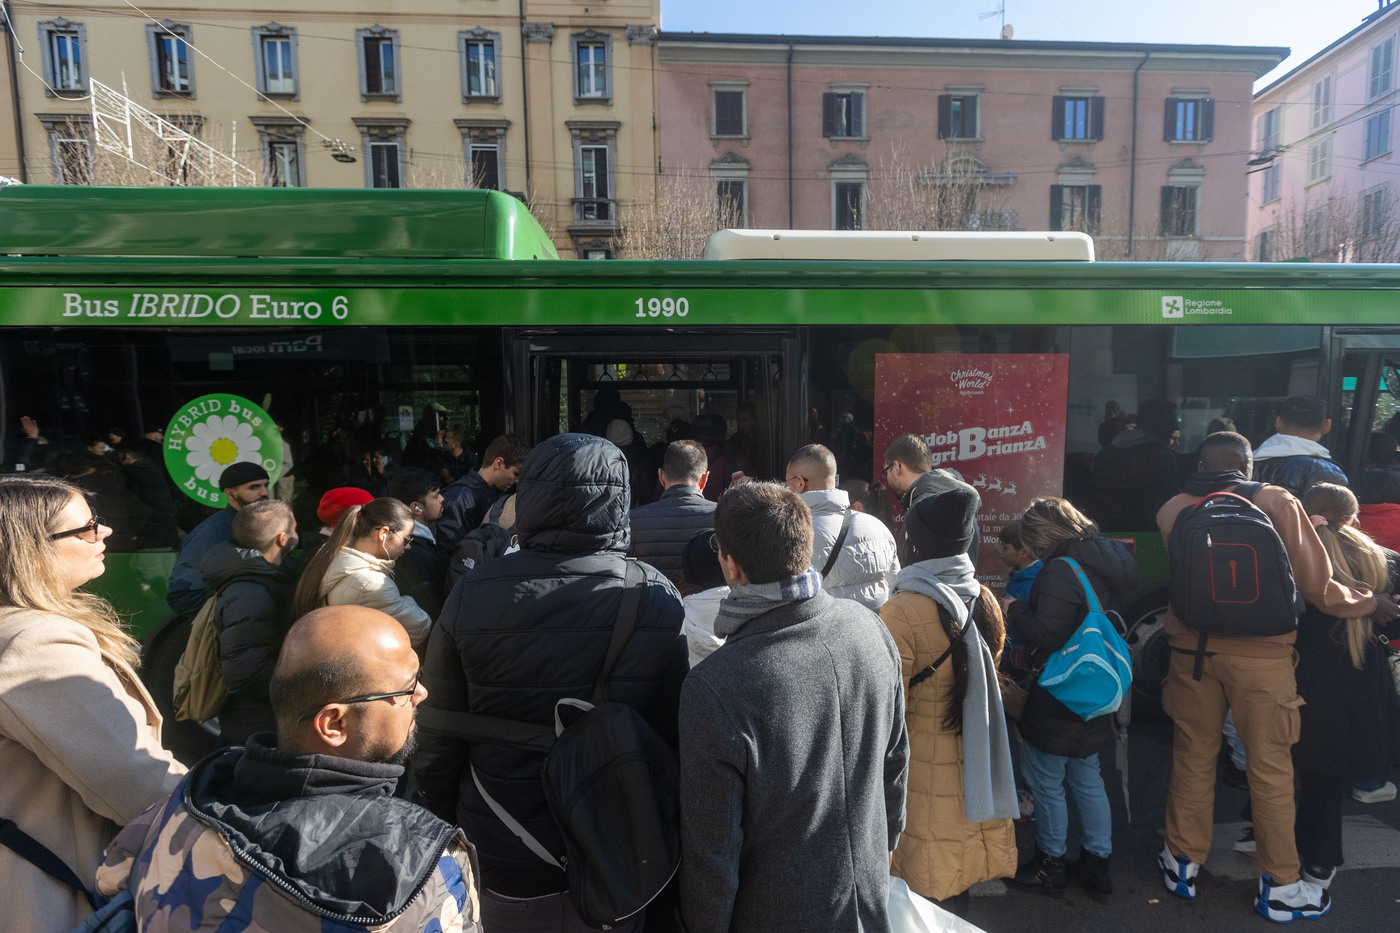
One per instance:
(1379, 155)
(385, 98)
(1318, 181)
(1198, 143)
(292, 95)
(1066, 143)
(66, 93)
(585, 101)
(163, 94)
(962, 139)
(717, 138)
(481, 98)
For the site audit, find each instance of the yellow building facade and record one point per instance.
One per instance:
(553, 101)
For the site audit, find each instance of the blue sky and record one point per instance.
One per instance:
(1305, 26)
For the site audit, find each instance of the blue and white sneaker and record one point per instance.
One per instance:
(1301, 900)
(1178, 873)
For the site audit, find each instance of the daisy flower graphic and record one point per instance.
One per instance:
(218, 442)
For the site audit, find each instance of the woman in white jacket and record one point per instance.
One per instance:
(356, 567)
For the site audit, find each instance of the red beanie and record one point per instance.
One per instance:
(337, 502)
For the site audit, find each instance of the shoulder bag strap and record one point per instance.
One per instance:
(623, 628)
(1089, 593)
(836, 547)
(927, 672)
(514, 826)
(37, 854)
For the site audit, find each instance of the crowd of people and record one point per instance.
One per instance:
(838, 690)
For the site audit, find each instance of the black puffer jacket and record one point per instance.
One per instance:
(252, 615)
(1298, 474)
(528, 629)
(661, 530)
(1056, 607)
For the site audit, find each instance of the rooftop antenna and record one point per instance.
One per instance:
(999, 11)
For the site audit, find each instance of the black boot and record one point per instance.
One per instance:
(1043, 873)
(1091, 871)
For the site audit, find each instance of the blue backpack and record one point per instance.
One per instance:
(1091, 674)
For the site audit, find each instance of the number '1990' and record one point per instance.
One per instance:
(662, 307)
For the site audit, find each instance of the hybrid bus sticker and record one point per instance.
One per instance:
(210, 434)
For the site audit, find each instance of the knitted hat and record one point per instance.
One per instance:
(942, 525)
(337, 502)
(242, 472)
(700, 561)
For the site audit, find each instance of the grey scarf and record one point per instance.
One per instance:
(989, 787)
(754, 599)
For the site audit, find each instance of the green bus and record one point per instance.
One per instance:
(352, 315)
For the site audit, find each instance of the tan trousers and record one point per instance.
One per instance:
(1264, 696)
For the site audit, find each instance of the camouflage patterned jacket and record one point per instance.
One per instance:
(262, 841)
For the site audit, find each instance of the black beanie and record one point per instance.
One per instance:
(700, 562)
(242, 472)
(941, 525)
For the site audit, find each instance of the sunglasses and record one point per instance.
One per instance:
(89, 532)
(367, 698)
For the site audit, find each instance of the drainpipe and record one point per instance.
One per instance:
(14, 90)
(1132, 159)
(525, 96)
(789, 139)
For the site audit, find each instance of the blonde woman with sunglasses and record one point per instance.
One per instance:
(79, 735)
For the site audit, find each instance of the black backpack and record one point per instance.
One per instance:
(612, 785)
(486, 541)
(1230, 574)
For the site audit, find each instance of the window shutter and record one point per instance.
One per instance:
(1169, 124)
(828, 114)
(1166, 210)
(857, 127)
(971, 130)
(945, 115)
(1094, 208)
(1207, 119)
(1057, 204)
(1096, 118)
(1057, 124)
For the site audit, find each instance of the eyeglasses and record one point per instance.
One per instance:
(90, 532)
(367, 698)
(886, 470)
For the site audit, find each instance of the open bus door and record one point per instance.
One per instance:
(1369, 395)
(742, 393)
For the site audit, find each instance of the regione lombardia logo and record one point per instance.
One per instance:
(1173, 306)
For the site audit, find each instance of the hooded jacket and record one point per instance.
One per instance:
(866, 565)
(1295, 463)
(1056, 607)
(252, 616)
(255, 840)
(354, 578)
(530, 628)
(661, 530)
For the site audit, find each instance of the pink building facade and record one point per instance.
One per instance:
(1142, 145)
(1323, 148)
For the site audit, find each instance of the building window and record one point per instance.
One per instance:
(843, 114)
(1268, 131)
(481, 50)
(483, 149)
(1315, 232)
(178, 162)
(63, 49)
(283, 165)
(1377, 135)
(172, 73)
(70, 148)
(383, 141)
(1179, 210)
(1382, 72)
(1374, 205)
(379, 63)
(1271, 177)
(1076, 207)
(592, 67)
(730, 112)
(849, 197)
(731, 200)
(1189, 119)
(1321, 103)
(595, 193)
(1264, 246)
(957, 116)
(275, 48)
(282, 141)
(1320, 161)
(485, 160)
(1077, 118)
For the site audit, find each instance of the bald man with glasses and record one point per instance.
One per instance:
(301, 826)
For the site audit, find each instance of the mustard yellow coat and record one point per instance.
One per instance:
(940, 854)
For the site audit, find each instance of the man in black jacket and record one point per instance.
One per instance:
(529, 629)
(421, 570)
(466, 501)
(254, 579)
(1294, 457)
(662, 529)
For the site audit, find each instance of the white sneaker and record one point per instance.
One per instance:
(1299, 900)
(1380, 795)
(1178, 872)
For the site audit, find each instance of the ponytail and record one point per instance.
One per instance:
(357, 522)
(1357, 561)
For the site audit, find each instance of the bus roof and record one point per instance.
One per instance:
(80, 220)
(899, 245)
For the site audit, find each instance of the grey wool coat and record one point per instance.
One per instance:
(794, 758)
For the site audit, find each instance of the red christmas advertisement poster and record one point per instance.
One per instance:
(998, 419)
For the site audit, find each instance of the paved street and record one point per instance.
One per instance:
(1366, 892)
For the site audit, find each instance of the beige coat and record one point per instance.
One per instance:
(940, 854)
(80, 755)
(354, 578)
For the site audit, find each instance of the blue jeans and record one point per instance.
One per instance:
(1047, 775)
